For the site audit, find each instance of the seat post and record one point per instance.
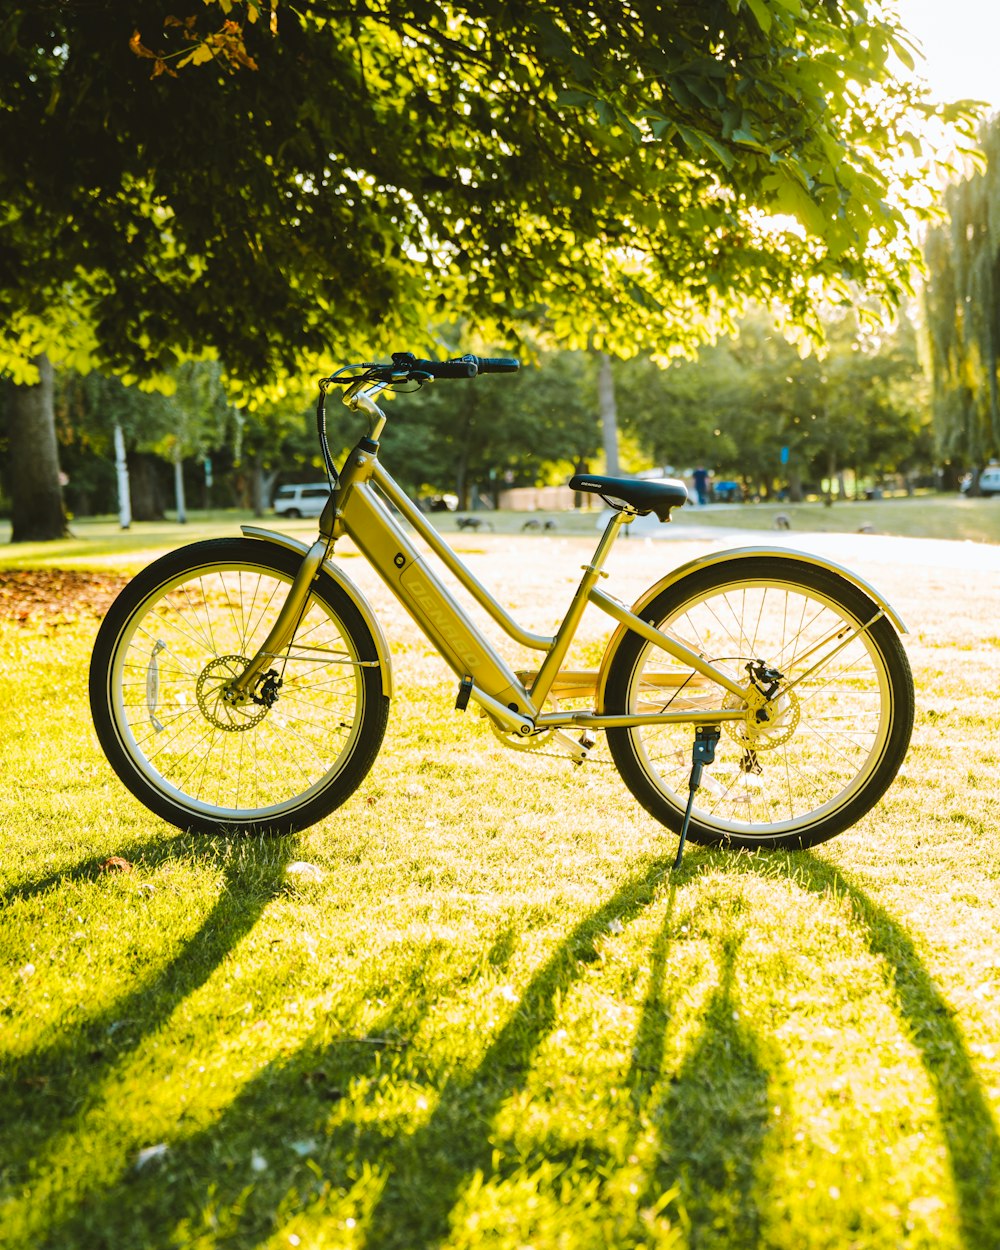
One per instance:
(620, 517)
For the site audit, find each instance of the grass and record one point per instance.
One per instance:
(498, 1019)
(99, 543)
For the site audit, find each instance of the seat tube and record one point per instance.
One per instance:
(567, 630)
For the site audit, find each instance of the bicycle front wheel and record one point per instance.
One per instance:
(173, 639)
(839, 728)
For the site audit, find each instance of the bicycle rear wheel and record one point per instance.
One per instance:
(171, 641)
(837, 737)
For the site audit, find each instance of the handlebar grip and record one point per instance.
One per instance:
(446, 368)
(497, 364)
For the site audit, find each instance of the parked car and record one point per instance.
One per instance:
(308, 499)
(989, 481)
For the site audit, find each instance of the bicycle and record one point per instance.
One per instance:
(751, 698)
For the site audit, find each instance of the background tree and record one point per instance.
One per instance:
(33, 459)
(509, 431)
(859, 406)
(962, 313)
(191, 421)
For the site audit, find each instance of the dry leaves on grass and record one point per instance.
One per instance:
(47, 596)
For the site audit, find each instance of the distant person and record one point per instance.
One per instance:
(701, 476)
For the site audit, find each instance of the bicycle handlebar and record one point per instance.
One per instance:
(364, 380)
(439, 368)
(464, 367)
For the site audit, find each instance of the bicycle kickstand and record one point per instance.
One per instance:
(702, 753)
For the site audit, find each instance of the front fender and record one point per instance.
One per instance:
(724, 557)
(345, 583)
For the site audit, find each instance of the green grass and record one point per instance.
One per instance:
(921, 516)
(499, 1020)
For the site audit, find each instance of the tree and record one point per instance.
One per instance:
(504, 431)
(962, 313)
(34, 477)
(855, 407)
(192, 420)
(331, 182)
(325, 180)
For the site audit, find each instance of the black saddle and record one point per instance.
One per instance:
(619, 492)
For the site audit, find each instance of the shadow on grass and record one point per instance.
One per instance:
(967, 1123)
(207, 1186)
(406, 1185)
(713, 1115)
(47, 1091)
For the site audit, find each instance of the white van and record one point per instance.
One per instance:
(989, 480)
(304, 500)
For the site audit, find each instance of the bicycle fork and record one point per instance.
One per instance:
(257, 683)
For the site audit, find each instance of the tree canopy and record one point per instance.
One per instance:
(752, 407)
(179, 179)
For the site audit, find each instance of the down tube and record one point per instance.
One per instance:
(427, 600)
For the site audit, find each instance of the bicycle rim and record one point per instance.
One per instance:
(177, 650)
(816, 765)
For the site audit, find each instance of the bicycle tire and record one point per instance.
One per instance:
(836, 742)
(169, 642)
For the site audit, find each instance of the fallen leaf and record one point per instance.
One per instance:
(115, 863)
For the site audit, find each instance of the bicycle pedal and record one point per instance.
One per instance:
(587, 740)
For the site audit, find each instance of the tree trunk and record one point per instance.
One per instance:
(179, 500)
(261, 485)
(609, 413)
(462, 480)
(121, 470)
(581, 499)
(37, 512)
(147, 493)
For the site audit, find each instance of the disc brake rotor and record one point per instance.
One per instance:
(754, 735)
(212, 683)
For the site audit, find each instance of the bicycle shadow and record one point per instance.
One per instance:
(411, 1183)
(292, 1097)
(969, 1129)
(233, 1163)
(54, 1086)
(706, 1173)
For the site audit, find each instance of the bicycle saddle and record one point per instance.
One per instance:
(658, 497)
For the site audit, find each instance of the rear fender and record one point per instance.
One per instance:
(345, 583)
(731, 557)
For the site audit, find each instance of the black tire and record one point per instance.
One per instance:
(172, 638)
(292, 514)
(836, 740)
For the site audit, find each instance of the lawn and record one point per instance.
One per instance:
(490, 1015)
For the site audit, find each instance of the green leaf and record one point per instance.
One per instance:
(721, 152)
(761, 12)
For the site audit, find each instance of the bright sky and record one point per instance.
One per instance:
(960, 40)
